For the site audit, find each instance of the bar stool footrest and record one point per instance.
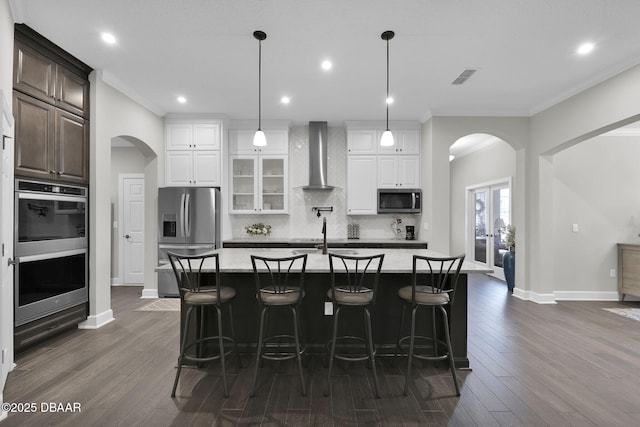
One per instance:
(202, 341)
(405, 347)
(357, 357)
(271, 350)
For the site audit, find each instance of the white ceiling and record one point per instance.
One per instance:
(205, 51)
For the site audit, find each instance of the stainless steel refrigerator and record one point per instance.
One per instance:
(188, 223)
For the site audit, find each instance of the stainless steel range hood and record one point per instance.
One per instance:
(318, 157)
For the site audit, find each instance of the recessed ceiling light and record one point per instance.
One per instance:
(108, 38)
(182, 99)
(326, 65)
(389, 100)
(285, 99)
(585, 48)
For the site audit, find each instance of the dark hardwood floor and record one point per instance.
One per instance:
(568, 364)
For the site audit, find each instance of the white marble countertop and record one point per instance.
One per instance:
(238, 260)
(316, 240)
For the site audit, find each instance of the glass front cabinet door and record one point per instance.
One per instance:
(273, 186)
(259, 184)
(243, 184)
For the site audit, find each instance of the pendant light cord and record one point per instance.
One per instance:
(260, 85)
(386, 101)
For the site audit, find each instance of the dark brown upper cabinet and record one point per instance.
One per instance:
(41, 77)
(51, 110)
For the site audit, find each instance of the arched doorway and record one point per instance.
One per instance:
(129, 157)
(482, 169)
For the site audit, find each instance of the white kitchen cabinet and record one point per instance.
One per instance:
(363, 141)
(193, 168)
(361, 185)
(241, 142)
(192, 153)
(196, 136)
(259, 184)
(399, 171)
(371, 166)
(406, 141)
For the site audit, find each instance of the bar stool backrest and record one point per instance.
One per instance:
(436, 274)
(355, 274)
(189, 274)
(279, 275)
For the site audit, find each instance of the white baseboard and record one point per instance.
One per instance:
(149, 293)
(555, 296)
(98, 320)
(586, 295)
(534, 296)
(115, 281)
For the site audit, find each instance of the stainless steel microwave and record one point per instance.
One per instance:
(399, 200)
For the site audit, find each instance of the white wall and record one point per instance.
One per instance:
(301, 221)
(438, 134)
(492, 163)
(114, 114)
(596, 187)
(6, 216)
(606, 106)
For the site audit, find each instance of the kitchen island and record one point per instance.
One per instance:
(236, 271)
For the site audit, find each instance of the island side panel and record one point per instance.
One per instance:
(316, 326)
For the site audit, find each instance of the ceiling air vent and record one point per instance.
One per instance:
(463, 77)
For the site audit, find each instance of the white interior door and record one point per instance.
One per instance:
(132, 227)
(490, 214)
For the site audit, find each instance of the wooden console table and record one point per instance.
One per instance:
(628, 270)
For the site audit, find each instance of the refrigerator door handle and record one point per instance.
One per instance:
(182, 215)
(187, 209)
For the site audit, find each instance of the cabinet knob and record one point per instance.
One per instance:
(59, 173)
(52, 171)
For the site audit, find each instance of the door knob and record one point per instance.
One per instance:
(126, 236)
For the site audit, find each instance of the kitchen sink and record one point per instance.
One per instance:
(319, 251)
(305, 251)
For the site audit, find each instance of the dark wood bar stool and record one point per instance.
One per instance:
(279, 284)
(354, 282)
(200, 291)
(433, 285)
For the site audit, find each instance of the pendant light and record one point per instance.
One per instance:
(387, 136)
(259, 139)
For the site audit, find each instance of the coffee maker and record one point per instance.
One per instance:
(411, 232)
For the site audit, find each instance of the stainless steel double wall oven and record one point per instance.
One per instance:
(51, 262)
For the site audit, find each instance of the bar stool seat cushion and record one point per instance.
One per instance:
(289, 296)
(424, 295)
(209, 296)
(343, 296)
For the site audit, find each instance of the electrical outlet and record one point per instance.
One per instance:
(328, 308)
(612, 272)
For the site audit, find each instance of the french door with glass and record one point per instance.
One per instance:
(490, 214)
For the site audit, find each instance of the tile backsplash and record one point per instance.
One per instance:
(302, 222)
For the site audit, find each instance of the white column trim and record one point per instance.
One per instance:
(97, 321)
(149, 293)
